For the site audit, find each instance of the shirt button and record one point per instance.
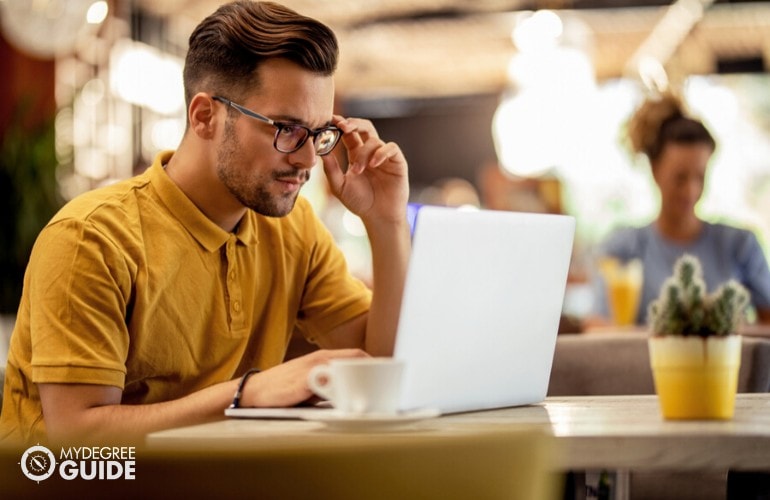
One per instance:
(232, 275)
(236, 306)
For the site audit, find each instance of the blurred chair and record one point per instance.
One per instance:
(597, 364)
(503, 464)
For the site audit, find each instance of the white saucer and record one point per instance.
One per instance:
(370, 422)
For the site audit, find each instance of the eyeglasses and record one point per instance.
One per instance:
(289, 137)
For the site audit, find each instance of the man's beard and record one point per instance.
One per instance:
(252, 192)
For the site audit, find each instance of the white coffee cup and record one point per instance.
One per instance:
(359, 385)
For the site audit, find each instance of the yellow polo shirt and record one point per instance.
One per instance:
(132, 286)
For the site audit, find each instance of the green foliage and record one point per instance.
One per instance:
(28, 198)
(684, 307)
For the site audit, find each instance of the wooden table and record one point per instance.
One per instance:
(601, 432)
(628, 432)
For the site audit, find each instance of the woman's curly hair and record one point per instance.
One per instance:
(662, 121)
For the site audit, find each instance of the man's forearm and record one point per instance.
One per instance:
(89, 413)
(391, 247)
(76, 414)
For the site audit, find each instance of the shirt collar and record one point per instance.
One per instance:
(203, 229)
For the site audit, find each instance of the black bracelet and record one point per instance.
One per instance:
(241, 384)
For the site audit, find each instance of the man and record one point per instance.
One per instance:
(146, 302)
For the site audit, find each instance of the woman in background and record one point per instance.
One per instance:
(679, 149)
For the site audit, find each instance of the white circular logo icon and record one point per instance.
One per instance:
(38, 463)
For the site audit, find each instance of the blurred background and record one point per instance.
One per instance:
(503, 104)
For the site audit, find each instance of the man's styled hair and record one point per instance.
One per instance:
(228, 46)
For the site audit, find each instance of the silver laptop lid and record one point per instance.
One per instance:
(481, 307)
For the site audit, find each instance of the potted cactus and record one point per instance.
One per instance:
(695, 352)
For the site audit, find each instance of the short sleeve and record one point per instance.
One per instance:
(79, 295)
(755, 271)
(624, 244)
(332, 295)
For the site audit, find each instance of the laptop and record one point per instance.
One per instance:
(480, 311)
(481, 308)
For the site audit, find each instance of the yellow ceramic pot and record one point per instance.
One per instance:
(696, 377)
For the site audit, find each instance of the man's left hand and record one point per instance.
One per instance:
(375, 185)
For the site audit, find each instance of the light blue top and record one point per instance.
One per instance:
(725, 252)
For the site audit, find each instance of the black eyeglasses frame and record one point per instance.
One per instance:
(281, 126)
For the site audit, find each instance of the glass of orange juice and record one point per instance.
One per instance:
(623, 281)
